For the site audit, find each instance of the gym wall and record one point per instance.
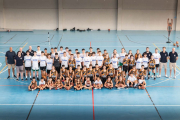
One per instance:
(103, 14)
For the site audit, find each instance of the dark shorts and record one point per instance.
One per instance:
(48, 71)
(57, 69)
(43, 68)
(28, 68)
(125, 68)
(93, 67)
(130, 67)
(146, 68)
(157, 65)
(152, 68)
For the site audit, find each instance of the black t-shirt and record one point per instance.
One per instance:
(149, 54)
(173, 57)
(10, 57)
(19, 60)
(164, 56)
(31, 53)
(22, 54)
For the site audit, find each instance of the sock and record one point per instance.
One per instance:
(128, 84)
(135, 85)
(26, 76)
(154, 74)
(30, 76)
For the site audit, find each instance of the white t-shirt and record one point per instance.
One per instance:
(117, 56)
(78, 61)
(98, 82)
(97, 55)
(87, 61)
(83, 55)
(52, 55)
(61, 53)
(75, 56)
(41, 83)
(49, 64)
(42, 60)
(132, 79)
(35, 61)
(64, 61)
(145, 62)
(139, 63)
(114, 62)
(122, 56)
(27, 60)
(156, 57)
(141, 81)
(100, 60)
(93, 58)
(38, 53)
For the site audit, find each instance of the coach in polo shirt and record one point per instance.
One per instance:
(163, 61)
(149, 54)
(31, 52)
(173, 58)
(9, 58)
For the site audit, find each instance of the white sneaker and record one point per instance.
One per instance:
(174, 77)
(99, 88)
(95, 88)
(166, 76)
(118, 88)
(159, 76)
(152, 76)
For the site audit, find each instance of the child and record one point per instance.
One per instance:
(131, 62)
(49, 63)
(27, 60)
(58, 84)
(44, 75)
(152, 64)
(145, 62)
(108, 83)
(35, 67)
(142, 83)
(72, 62)
(67, 84)
(120, 83)
(125, 64)
(63, 73)
(88, 84)
(104, 74)
(119, 74)
(106, 60)
(90, 73)
(79, 85)
(71, 75)
(98, 83)
(53, 74)
(142, 72)
(133, 71)
(132, 81)
(42, 84)
(50, 83)
(84, 74)
(78, 73)
(96, 71)
(111, 71)
(138, 62)
(33, 85)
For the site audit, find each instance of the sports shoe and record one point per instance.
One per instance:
(154, 78)
(95, 88)
(174, 77)
(159, 76)
(22, 79)
(30, 78)
(14, 76)
(37, 78)
(17, 79)
(8, 77)
(118, 88)
(26, 79)
(166, 76)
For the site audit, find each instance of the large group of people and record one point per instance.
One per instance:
(88, 69)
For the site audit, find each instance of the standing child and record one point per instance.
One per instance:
(27, 60)
(35, 67)
(53, 74)
(49, 63)
(152, 65)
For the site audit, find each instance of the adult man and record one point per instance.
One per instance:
(148, 53)
(9, 58)
(173, 58)
(163, 61)
(22, 54)
(31, 52)
(19, 65)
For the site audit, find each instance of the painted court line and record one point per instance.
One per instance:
(84, 105)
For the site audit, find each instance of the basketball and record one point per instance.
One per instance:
(174, 44)
(42, 85)
(143, 87)
(121, 85)
(32, 87)
(177, 42)
(177, 45)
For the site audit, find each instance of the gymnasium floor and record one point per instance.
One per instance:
(160, 100)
